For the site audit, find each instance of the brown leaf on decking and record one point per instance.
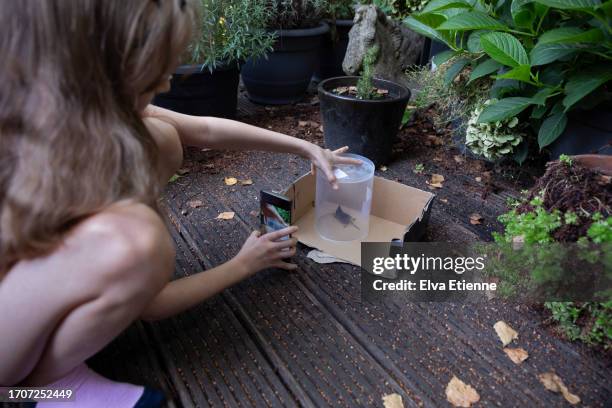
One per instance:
(517, 355)
(461, 394)
(228, 215)
(554, 383)
(475, 219)
(195, 203)
(392, 401)
(506, 333)
(436, 181)
(230, 181)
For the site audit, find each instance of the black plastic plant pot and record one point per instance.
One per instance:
(332, 51)
(367, 127)
(587, 131)
(197, 91)
(283, 77)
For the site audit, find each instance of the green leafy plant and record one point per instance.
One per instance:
(231, 31)
(365, 87)
(418, 168)
(292, 14)
(545, 56)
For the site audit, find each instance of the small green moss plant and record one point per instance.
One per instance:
(536, 227)
(365, 87)
(565, 159)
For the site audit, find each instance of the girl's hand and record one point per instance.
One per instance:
(324, 160)
(267, 251)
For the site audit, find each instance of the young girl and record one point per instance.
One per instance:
(83, 158)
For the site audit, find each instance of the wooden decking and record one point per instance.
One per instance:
(306, 339)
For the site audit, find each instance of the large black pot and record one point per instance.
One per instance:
(367, 127)
(431, 49)
(197, 91)
(587, 131)
(332, 50)
(284, 76)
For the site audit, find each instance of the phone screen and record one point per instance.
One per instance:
(275, 212)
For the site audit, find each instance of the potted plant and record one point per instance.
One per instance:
(549, 59)
(362, 113)
(340, 19)
(283, 76)
(230, 31)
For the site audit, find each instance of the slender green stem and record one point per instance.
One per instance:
(541, 21)
(601, 54)
(520, 32)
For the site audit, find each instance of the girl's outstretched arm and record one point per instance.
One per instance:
(217, 133)
(258, 252)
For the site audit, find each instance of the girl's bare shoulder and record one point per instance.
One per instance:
(170, 147)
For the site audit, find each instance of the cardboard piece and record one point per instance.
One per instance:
(399, 212)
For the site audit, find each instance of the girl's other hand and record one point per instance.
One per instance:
(324, 160)
(267, 251)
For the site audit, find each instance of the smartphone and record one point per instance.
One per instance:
(275, 213)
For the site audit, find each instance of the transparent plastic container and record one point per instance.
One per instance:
(344, 214)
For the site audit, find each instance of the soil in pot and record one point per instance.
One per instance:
(580, 187)
(283, 77)
(367, 127)
(332, 51)
(197, 91)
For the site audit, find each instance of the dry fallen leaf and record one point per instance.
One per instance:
(382, 91)
(517, 355)
(554, 383)
(383, 168)
(506, 333)
(228, 215)
(475, 219)
(461, 394)
(230, 181)
(341, 89)
(195, 203)
(444, 200)
(392, 401)
(246, 182)
(436, 180)
(478, 179)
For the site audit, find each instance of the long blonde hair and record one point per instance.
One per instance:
(71, 139)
